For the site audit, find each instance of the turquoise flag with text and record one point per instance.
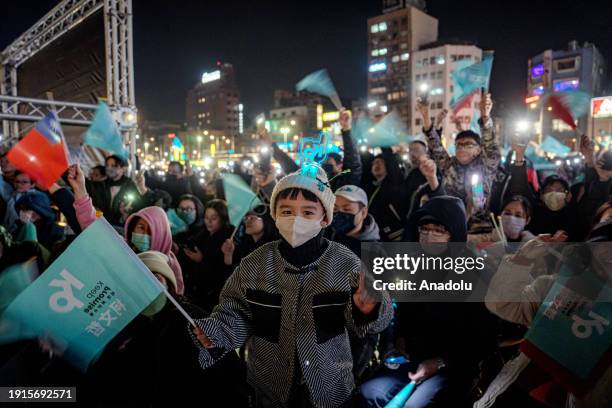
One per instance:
(103, 132)
(86, 297)
(552, 145)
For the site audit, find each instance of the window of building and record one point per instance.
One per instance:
(376, 28)
(439, 75)
(440, 60)
(403, 34)
(418, 77)
(380, 89)
(403, 46)
(566, 84)
(439, 105)
(567, 64)
(395, 58)
(405, 56)
(417, 122)
(425, 62)
(404, 21)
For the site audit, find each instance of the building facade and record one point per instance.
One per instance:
(431, 68)
(213, 104)
(574, 68)
(392, 37)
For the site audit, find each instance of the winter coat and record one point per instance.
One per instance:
(293, 315)
(100, 192)
(457, 177)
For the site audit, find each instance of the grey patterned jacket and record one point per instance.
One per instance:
(456, 177)
(281, 310)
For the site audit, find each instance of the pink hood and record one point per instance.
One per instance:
(161, 238)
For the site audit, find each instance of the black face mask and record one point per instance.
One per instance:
(343, 222)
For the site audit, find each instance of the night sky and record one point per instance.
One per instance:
(272, 44)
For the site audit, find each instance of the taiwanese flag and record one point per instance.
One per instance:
(42, 153)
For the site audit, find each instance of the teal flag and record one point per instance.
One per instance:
(389, 131)
(575, 316)
(552, 145)
(320, 83)
(177, 225)
(15, 279)
(27, 232)
(86, 297)
(103, 132)
(471, 78)
(239, 196)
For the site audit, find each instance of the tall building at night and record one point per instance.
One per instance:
(213, 104)
(578, 67)
(431, 68)
(392, 37)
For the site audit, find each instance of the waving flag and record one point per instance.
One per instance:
(240, 198)
(42, 153)
(103, 132)
(552, 145)
(78, 307)
(568, 106)
(389, 131)
(320, 83)
(177, 225)
(471, 78)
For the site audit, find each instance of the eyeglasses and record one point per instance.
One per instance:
(433, 232)
(186, 209)
(465, 146)
(251, 217)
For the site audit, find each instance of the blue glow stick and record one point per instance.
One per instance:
(402, 397)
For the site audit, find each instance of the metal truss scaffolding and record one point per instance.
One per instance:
(119, 67)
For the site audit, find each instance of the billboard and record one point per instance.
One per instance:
(601, 107)
(72, 68)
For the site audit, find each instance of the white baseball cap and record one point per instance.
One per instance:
(353, 193)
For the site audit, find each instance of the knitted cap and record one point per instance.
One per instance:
(468, 134)
(317, 185)
(158, 263)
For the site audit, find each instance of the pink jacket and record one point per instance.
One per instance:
(161, 237)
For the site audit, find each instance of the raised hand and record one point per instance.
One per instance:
(587, 148)
(362, 298)
(345, 119)
(486, 104)
(423, 108)
(140, 182)
(76, 179)
(428, 169)
(196, 256)
(440, 118)
(264, 136)
(202, 338)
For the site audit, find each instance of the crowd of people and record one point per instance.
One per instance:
(283, 314)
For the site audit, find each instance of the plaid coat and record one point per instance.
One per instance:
(292, 315)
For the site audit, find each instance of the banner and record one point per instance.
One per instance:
(86, 297)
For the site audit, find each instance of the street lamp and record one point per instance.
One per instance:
(146, 146)
(292, 122)
(522, 126)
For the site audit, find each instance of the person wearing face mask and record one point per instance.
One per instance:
(146, 230)
(554, 211)
(477, 157)
(259, 229)
(416, 182)
(444, 341)
(352, 224)
(22, 183)
(293, 300)
(115, 192)
(34, 208)
(178, 181)
(206, 271)
(153, 362)
(190, 210)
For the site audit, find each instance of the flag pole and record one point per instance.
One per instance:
(178, 306)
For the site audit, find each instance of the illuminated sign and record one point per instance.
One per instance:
(532, 99)
(319, 116)
(331, 116)
(171, 135)
(539, 90)
(565, 85)
(240, 118)
(211, 76)
(313, 151)
(378, 66)
(537, 71)
(601, 107)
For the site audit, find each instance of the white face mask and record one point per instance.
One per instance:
(297, 230)
(513, 226)
(555, 200)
